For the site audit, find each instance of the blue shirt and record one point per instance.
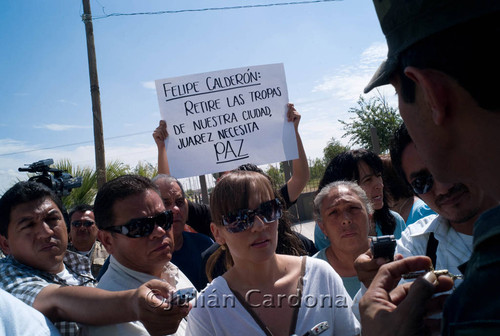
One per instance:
(189, 260)
(17, 318)
(351, 284)
(419, 210)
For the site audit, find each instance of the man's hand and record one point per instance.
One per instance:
(158, 316)
(160, 134)
(386, 310)
(367, 267)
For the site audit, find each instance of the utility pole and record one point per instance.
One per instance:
(204, 190)
(100, 161)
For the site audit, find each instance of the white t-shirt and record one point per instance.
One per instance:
(218, 312)
(68, 277)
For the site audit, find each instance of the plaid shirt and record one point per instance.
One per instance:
(25, 282)
(96, 256)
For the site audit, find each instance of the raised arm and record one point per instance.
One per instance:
(160, 134)
(95, 306)
(300, 175)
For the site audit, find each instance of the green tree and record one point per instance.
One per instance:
(332, 149)
(276, 176)
(317, 169)
(115, 169)
(84, 194)
(145, 169)
(374, 112)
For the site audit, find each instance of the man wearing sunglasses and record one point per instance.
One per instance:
(447, 237)
(188, 246)
(136, 229)
(41, 272)
(83, 237)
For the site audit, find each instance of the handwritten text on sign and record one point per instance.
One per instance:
(219, 120)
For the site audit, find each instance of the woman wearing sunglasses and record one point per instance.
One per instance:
(264, 293)
(365, 168)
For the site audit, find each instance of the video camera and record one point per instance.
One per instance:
(59, 181)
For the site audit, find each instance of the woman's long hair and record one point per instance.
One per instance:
(345, 166)
(232, 193)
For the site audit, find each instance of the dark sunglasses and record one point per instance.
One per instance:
(243, 219)
(86, 223)
(142, 227)
(422, 183)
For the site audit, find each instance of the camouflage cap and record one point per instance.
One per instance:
(405, 22)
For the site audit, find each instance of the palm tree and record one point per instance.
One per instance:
(86, 193)
(145, 169)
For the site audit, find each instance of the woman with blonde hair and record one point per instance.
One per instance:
(264, 293)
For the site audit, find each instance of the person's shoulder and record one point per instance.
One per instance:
(4, 262)
(198, 238)
(17, 313)
(218, 286)
(321, 272)
(422, 226)
(315, 260)
(290, 258)
(9, 265)
(421, 209)
(397, 216)
(318, 265)
(74, 257)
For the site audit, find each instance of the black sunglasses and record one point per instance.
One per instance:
(243, 219)
(423, 183)
(142, 227)
(86, 223)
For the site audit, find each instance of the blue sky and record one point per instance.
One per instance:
(329, 50)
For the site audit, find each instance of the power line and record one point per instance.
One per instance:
(72, 144)
(209, 9)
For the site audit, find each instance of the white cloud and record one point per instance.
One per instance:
(60, 127)
(348, 82)
(372, 57)
(149, 85)
(333, 96)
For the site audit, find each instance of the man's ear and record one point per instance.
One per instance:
(216, 232)
(106, 239)
(433, 85)
(4, 244)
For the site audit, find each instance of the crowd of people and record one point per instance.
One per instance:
(144, 259)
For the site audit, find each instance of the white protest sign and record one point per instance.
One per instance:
(219, 120)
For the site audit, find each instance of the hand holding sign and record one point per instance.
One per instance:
(219, 120)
